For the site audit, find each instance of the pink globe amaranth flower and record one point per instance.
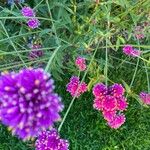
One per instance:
(139, 32)
(98, 104)
(136, 53)
(116, 90)
(109, 103)
(35, 52)
(50, 140)
(140, 36)
(80, 63)
(109, 115)
(130, 51)
(145, 97)
(33, 23)
(75, 88)
(28, 12)
(117, 121)
(99, 90)
(122, 104)
(28, 102)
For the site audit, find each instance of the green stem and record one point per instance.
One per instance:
(72, 101)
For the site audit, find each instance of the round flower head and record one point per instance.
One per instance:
(33, 23)
(50, 140)
(109, 115)
(98, 104)
(145, 97)
(100, 90)
(109, 103)
(75, 88)
(29, 103)
(122, 104)
(80, 63)
(117, 90)
(35, 52)
(130, 51)
(28, 12)
(117, 121)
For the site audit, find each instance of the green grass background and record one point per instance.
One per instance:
(84, 127)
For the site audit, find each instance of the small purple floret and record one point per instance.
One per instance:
(33, 23)
(27, 12)
(50, 140)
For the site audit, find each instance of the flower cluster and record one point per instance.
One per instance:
(145, 97)
(75, 88)
(50, 140)
(80, 63)
(110, 100)
(28, 102)
(35, 52)
(139, 32)
(130, 51)
(30, 15)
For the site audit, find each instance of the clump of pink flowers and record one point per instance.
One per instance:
(30, 15)
(111, 102)
(80, 63)
(75, 87)
(145, 97)
(130, 51)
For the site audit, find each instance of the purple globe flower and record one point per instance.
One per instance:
(145, 97)
(35, 52)
(33, 23)
(27, 12)
(28, 102)
(116, 90)
(50, 140)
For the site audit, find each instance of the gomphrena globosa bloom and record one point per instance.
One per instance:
(36, 51)
(50, 140)
(145, 97)
(30, 15)
(80, 63)
(33, 23)
(27, 12)
(111, 101)
(75, 88)
(28, 102)
(130, 51)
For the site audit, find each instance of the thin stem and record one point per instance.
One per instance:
(57, 39)
(148, 80)
(72, 101)
(13, 45)
(51, 58)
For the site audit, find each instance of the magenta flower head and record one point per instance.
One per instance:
(50, 140)
(130, 51)
(75, 88)
(99, 90)
(27, 12)
(35, 52)
(109, 115)
(33, 23)
(80, 63)
(28, 102)
(145, 97)
(117, 121)
(117, 90)
(109, 103)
